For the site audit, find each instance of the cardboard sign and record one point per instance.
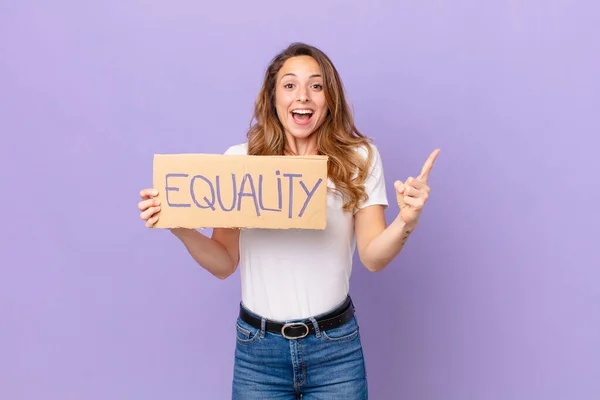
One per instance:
(236, 191)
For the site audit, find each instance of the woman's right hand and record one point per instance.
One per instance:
(149, 206)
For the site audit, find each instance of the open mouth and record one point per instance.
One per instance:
(302, 116)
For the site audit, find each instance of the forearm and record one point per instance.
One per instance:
(207, 252)
(384, 247)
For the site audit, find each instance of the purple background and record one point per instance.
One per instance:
(497, 295)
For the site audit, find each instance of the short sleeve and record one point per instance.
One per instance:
(375, 186)
(237, 150)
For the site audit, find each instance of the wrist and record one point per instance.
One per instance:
(404, 226)
(404, 230)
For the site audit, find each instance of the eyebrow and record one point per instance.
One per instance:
(292, 74)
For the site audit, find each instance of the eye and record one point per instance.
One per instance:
(317, 86)
(288, 85)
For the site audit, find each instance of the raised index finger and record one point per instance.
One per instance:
(426, 170)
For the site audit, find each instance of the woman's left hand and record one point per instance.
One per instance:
(413, 194)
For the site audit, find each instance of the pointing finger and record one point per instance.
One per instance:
(424, 176)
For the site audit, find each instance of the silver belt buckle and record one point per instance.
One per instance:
(295, 324)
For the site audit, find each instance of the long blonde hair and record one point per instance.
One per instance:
(337, 137)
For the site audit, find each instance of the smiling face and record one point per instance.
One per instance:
(299, 97)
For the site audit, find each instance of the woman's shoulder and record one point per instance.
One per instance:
(240, 149)
(368, 147)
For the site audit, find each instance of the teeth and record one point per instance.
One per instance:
(302, 112)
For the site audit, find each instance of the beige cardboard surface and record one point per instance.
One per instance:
(214, 190)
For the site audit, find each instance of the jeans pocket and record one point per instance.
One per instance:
(343, 333)
(246, 333)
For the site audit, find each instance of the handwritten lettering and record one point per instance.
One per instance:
(220, 193)
(174, 189)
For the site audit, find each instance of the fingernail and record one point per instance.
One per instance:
(155, 192)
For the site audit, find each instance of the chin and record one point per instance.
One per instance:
(303, 134)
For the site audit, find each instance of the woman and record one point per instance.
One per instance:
(297, 335)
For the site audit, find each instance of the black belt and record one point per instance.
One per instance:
(300, 329)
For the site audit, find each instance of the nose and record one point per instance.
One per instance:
(303, 95)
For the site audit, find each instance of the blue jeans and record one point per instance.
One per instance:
(321, 366)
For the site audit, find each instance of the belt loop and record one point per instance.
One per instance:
(353, 309)
(316, 325)
(263, 326)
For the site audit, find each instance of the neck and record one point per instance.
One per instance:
(301, 147)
